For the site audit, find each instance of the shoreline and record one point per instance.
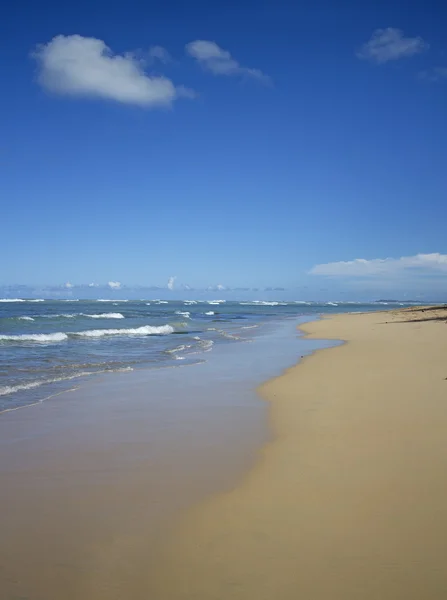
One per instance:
(92, 483)
(349, 499)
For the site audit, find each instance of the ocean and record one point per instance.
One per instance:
(49, 346)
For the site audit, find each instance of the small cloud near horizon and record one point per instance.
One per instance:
(421, 264)
(390, 44)
(114, 285)
(171, 282)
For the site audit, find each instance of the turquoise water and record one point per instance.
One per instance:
(48, 345)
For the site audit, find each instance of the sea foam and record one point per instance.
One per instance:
(21, 387)
(35, 337)
(89, 333)
(144, 330)
(104, 316)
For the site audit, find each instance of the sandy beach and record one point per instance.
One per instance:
(132, 488)
(349, 501)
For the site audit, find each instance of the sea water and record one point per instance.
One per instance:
(48, 345)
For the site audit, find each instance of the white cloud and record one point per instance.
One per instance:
(114, 285)
(390, 44)
(220, 287)
(93, 285)
(68, 285)
(215, 59)
(420, 264)
(79, 66)
(171, 282)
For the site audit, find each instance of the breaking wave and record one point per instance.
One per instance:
(35, 337)
(262, 303)
(205, 345)
(104, 316)
(144, 330)
(89, 333)
(74, 315)
(21, 387)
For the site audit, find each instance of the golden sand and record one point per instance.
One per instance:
(349, 502)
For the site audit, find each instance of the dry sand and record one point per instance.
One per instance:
(349, 502)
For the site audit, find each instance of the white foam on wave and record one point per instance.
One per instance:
(22, 300)
(35, 337)
(90, 316)
(180, 348)
(210, 312)
(228, 335)
(26, 318)
(144, 330)
(104, 316)
(263, 303)
(189, 302)
(161, 302)
(205, 345)
(216, 301)
(331, 303)
(89, 333)
(21, 387)
(184, 314)
(105, 300)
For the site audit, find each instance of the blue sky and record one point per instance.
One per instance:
(241, 144)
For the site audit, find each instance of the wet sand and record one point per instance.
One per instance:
(92, 480)
(349, 501)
